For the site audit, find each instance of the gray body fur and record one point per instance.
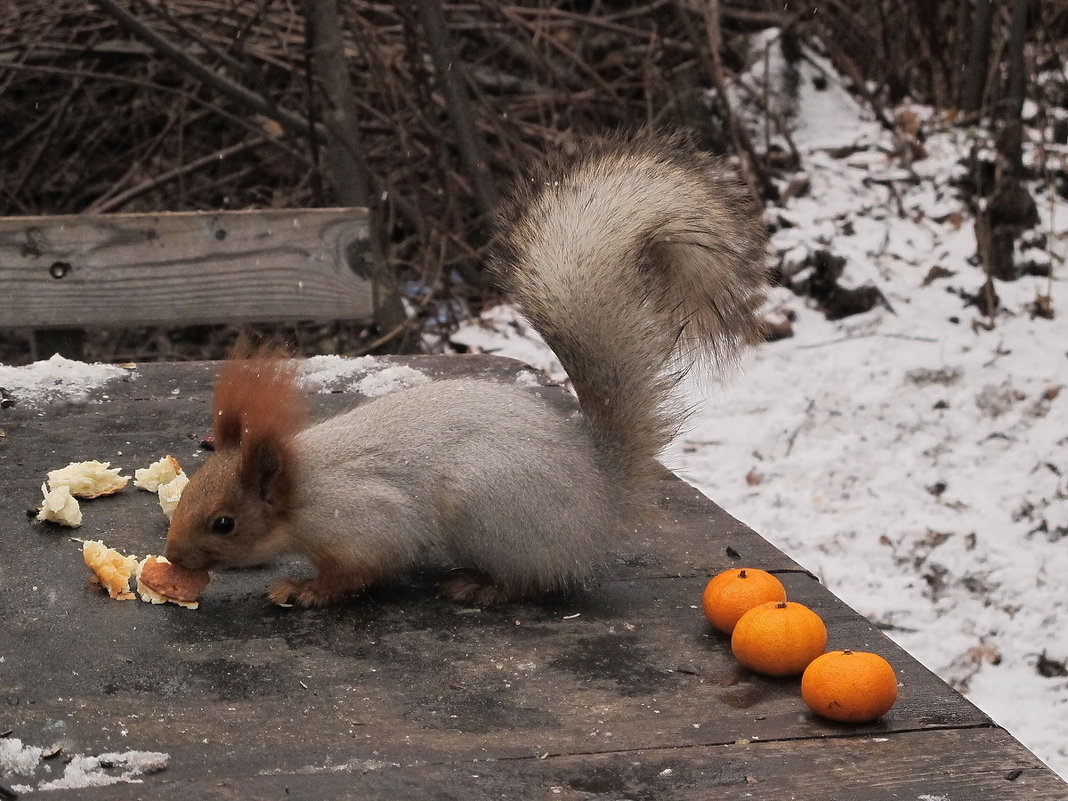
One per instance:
(485, 473)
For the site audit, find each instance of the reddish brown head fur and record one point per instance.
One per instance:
(258, 410)
(256, 396)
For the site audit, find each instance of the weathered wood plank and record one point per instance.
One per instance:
(628, 664)
(184, 268)
(401, 677)
(968, 764)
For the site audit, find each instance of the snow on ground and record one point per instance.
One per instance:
(915, 461)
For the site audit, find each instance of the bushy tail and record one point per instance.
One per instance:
(632, 261)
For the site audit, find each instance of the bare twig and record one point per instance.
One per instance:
(974, 87)
(157, 181)
(351, 179)
(449, 72)
(234, 91)
(29, 167)
(752, 168)
(347, 171)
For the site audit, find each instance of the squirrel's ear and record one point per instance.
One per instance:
(267, 470)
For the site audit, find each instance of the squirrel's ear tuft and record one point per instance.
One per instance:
(257, 397)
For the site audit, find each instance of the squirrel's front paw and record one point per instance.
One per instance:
(301, 593)
(326, 588)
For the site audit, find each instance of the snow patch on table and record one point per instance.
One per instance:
(367, 375)
(57, 379)
(79, 771)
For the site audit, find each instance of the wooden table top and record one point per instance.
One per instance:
(619, 692)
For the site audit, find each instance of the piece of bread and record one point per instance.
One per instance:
(110, 569)
(88, 479)
(160, 581)
(59, 506)
(160, 472)
(171, 492)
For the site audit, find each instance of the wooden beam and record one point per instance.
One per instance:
(185, 268)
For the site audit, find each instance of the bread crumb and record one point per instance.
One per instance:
(59, 506)
(110, 568)
(88, 479)
(161, 472)
(171, 492)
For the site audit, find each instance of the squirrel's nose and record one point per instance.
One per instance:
(188, 558)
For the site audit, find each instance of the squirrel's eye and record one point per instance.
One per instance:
(222, 525)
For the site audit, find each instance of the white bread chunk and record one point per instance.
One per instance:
(171, 492)
(163, 471)
(88, 479)
(59, 506)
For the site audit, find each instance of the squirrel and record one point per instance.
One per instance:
(634, 261)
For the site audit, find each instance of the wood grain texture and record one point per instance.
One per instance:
(961, 765)
(621, 691)
(183, 268)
